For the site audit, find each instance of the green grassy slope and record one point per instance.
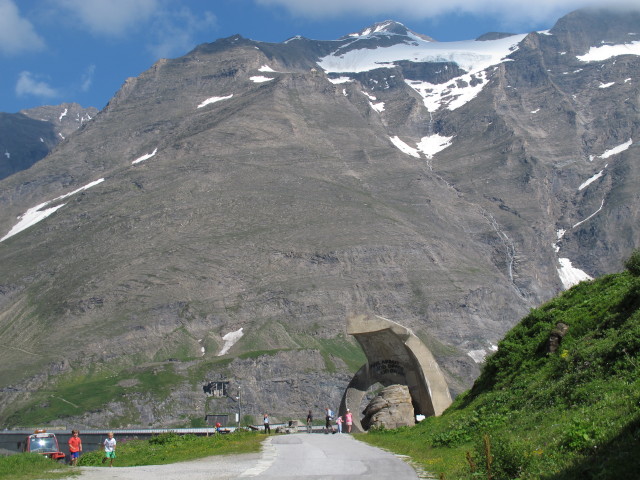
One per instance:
(571, 414)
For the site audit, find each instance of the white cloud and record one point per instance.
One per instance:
(513, 12)
(169, 32)
(113, 18)
(28, 84)
(173, 32)
(87, 78)
(17, 34)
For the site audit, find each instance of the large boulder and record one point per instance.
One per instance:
(391, 408)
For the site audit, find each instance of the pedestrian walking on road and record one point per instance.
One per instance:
(309, 422)
(265, 420)
(348, 417)
(327, 420)
(75, 447)
(109, 445)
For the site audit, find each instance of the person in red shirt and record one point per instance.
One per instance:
(75, 447)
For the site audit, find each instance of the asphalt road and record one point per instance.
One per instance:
(310, 456)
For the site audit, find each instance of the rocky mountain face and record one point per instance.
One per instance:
(227, 210)
(28, 136)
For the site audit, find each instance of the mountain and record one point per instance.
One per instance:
(28, 136)
(227, 210)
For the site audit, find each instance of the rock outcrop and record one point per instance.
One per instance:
(391, 408)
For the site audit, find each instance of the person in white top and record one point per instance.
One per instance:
(109, 449)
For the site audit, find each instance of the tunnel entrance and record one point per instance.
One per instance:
(395, 355)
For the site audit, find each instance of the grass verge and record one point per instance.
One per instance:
(31, 466)
(172, 448)
(159, 450)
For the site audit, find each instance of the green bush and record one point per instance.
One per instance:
(501, 458)
(580, 436)
(633, 263)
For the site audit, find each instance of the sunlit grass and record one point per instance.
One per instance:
(171, 448)
(31, 466)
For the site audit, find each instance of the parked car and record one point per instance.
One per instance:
(43, 443)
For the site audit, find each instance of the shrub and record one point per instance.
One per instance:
(502, 458)
(632, 264)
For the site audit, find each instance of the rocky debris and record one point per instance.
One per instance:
(391, 408)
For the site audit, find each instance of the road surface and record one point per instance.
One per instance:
(302, 455)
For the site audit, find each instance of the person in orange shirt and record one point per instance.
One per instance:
(75, 447)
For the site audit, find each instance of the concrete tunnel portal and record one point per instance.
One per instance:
(395, 355)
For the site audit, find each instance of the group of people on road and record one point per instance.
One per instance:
(339, 421)
(75, 448)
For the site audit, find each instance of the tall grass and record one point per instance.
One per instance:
(31, 466)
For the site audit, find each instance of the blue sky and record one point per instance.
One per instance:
(55, 51)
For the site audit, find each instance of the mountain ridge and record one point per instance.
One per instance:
(244, 188)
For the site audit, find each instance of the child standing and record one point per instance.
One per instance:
(109, 449)
(75, 447)
(349, 420)
(339, 423)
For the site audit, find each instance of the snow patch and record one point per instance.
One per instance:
(266, 68)
(214, 100)
(229, 340)
(453, 94)
(378, 107)
(618, 149)
(478, 356)
(36, 214)
(605, 52)
(590, 216)
(404, 147)
(591, 180)
(606, 85)
(63, 114)
(569, 275)
(559, 234)
(144, 157)
(339, 80)
(260, 79)
(470, 55)
(433, 144)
